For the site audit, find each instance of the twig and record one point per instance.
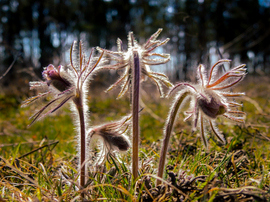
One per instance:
(15, 144)
(255, 104)
(221, 57)
(151, 112)
(266, 125)
(239, 37)
(9, 68)
(24, 176)
(47, 145)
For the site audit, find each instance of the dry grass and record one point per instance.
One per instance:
(36, 167)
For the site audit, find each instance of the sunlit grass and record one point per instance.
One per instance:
(34, 165)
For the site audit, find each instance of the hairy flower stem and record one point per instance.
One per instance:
(135, 114)
(167, 131)
(79, 105)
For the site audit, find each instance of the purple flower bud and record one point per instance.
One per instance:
(212, 108)
(117, 140)
(210, 100)
(112, 136)
(53, 77)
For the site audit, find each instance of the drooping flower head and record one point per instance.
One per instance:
(125, 60)
(210, 98)
(64, 83)
(111, 136)
(69, 84)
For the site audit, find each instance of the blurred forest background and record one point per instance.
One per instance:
(37, 33)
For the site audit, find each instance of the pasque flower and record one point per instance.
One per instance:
(146, 58)
(209, 99)
(66, 84)
(111, 136)
(63, 83)
(135, 63)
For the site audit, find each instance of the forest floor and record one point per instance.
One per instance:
(38, 163)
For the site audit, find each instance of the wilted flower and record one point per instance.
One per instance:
(210, 101)
(112, 137)
(125, 60)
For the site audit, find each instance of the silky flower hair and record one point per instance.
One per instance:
(146, 57)
(68, 84)
(209, 99)
(63, 83)
(112, 138)
(135, 63)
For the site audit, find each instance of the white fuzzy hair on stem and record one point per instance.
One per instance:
(136, 62)
(69, 84)
(208, 101)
